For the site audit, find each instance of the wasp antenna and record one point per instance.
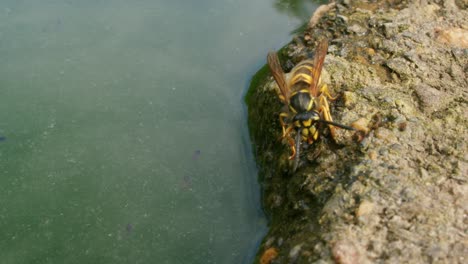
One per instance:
(336, 124)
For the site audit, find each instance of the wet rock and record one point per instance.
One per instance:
(395, 191)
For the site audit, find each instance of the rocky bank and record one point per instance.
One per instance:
(395, 190)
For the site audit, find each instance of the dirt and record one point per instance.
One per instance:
(395, 190)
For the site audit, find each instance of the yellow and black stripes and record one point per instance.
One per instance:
(301, 76)
(305, 99)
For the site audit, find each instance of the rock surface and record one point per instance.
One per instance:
(396, 190)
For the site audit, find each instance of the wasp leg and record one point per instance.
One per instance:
(287, 128)
(324, 90)
(287, 132)
(324, 108)
(292, 144)
(282, 117)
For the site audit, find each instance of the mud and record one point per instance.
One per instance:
(396, 190)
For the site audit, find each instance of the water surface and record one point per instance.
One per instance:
(123, 136)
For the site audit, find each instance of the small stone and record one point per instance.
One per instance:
(424, 174)
(456, 37)
(390, 29)
(389, 46)
(357, 29)
(372, 155)
(400, 66)
(349, 99)
(385, 134)
(402, 126)
(346, 252)
(294, 253)
(345, 19)
(406, 108)
(275, 200)
(280, 241)
(362, 124)
(431, 98)
(365, 208)
(364, 142)
(269, 242)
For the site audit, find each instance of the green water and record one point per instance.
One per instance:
(123, 134)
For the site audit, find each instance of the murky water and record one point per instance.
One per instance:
(123, 135)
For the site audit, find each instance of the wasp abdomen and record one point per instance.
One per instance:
(302, 73)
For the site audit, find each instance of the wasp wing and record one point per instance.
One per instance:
(278, 75)
(320, 53)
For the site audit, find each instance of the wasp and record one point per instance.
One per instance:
(305, 98)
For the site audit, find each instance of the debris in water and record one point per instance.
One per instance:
(129, 227)
(196, 154)
(186, 182)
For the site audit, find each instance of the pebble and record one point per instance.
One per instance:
(456, 37)
(345, 252)
(294, 253)
(355, 28)
(280, 241)
(365, 142)
(361, 124)
(390, 46)
(365, 208)
(385, 134)
(390, 29)
(349, 98)
(400, 66)
(431, 98)
(372, 155)
(345, 19)
(269, 242)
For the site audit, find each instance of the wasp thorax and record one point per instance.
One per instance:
(301, 102)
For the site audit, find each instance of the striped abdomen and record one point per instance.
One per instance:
(301, 100)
